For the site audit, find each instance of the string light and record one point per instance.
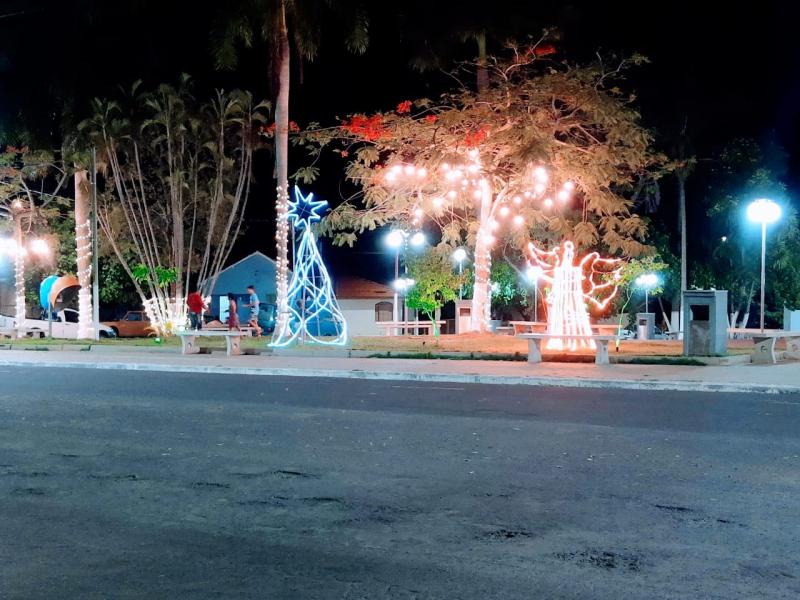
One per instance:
(282, 265)
(83, 243)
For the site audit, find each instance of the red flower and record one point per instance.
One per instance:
(404, 107)
(369, 128)
(268, 130)
(344, 153)
(430, 118)
(475, 138)
(294, 127)
(544, 50)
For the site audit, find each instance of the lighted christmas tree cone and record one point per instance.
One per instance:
(311, 301)
(592, 281)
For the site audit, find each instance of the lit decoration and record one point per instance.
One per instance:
(282, 262)
(19, 285)
(573, 287)
(310, 298)
(461, 186)
(166, 315)
(83, 243)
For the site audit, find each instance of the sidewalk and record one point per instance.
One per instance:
(781, 378)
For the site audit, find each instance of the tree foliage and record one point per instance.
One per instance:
(435, 283)
(570, 119)
(178, 182)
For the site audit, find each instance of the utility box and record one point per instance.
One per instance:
(645, 325)
(463, 315)
(791, 319)
(705, 319)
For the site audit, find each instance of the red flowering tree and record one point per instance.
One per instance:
(545, 153)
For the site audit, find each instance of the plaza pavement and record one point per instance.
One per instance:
(780, 378)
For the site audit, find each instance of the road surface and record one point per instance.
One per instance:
(159, 485)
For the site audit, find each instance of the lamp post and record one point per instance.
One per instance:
(460, 255)
(647, 281)
(763, 211)
(394, 240)
(533, 274)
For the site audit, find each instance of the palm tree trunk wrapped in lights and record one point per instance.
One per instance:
(83, 242)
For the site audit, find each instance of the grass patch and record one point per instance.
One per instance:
(665, 360)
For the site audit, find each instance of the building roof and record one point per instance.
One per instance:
(358, 287)
(256, 268)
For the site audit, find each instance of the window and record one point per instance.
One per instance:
(383, 311)
(133, 317)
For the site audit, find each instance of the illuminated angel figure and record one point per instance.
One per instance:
(593, 280)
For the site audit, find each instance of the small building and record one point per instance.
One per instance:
(257, 269)
(363, 303)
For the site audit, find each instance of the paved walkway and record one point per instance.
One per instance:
(779, 378)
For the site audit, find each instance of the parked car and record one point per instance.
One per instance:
(64, 325)
(134, 324)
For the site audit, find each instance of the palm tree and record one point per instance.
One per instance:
(279, 23)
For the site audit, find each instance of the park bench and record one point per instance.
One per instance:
(764, 343)
(233, 339)
(408, 327)
(535, 345)
(528, 326)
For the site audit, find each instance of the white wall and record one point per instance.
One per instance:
(360, 315)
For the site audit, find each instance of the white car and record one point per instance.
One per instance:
(65, 325)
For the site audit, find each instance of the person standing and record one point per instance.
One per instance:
(253, 304)
(233, 315)
(197, 307)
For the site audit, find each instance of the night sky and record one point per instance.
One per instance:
(726, 72)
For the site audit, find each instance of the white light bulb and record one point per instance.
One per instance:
(517, 200)
(422, 172)
(569, 186)
(518, 220)
(418, 239)
(540, 173)
(437, 202)
(446, 166)
(418, 213)
(539, 188)
(459, 254)
(548, 202)
(408, 170)
(504, 210)
(527, 194)
(451, 194)
(477, 194)
(563, 195)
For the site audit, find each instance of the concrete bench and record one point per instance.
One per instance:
(764, 343)
(535, 345)
(408, 326)
(528, 327)
(233, 339)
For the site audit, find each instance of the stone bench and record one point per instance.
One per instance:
(535, 345)
(764, 343)
(233, 339)
(406, 326)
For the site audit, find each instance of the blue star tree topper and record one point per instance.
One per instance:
(304, 210)
(313, 314)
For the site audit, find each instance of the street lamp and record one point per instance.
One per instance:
(395, 240)
(460, 255)
(418, 239)
(763, 211)
(533, 274)
(647, 281)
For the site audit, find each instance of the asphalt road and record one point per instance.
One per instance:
(157, 485)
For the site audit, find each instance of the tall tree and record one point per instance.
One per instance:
(550, 153)
(278, 23)
(179, 181)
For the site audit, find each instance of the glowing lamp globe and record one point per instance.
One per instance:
(418, 239)
(394, 239)
(647, 280)
(459, 255)
(763, 211)
(39, 247)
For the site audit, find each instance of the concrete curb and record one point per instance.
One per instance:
(471, 378)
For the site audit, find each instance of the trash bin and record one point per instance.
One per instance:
(705, 321)
(645, 326)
